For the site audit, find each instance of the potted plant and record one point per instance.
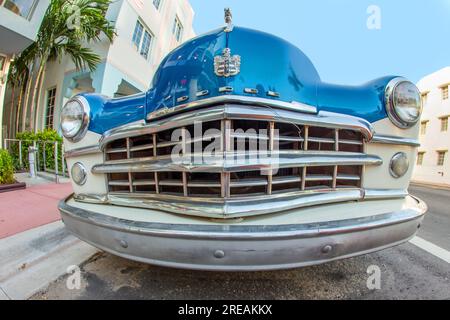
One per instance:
(7, 181)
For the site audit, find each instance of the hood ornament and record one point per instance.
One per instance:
(228, 20)
(227, 65)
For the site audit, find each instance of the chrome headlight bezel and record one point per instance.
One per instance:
(391, 108)
(81, 177)
(85, 119)
(399, 165)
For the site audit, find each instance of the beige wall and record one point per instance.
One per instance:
(24, 30)
(53, 79)
(434, 139)
(122, 53)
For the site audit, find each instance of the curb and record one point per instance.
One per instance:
(31, 260)
(430, 185)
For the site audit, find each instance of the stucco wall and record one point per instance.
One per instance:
(25, 30)
(123, 55)
(434, 139)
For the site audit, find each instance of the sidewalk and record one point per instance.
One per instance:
(35, 206)
(34, 258)
(430, 185)
(35, 247)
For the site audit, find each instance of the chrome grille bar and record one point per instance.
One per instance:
(231, 208)
(241, 112)
(225, 176)
(336, 148)
(183, 141)
(271, 149)
(155, 154)
(305, 148)
(237, 163)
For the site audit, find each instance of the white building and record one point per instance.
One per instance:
(433, 162)
(19, 23)
(146, 31)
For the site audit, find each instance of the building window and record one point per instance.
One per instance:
(157, 4)
(423, 127)
(142, 39)
(420, 156)
(424, 99)
(444, 93)
(50, 108)
(23, 8)
(137, 35)
(177, 29)
(145, 47)
(444, 124)
(441, 158)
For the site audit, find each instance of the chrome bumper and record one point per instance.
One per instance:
(242, 248)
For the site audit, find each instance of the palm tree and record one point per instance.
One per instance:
(67, 27)
(18, 75)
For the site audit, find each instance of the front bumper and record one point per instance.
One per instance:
(241, 247)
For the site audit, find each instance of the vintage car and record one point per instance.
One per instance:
(240, 158)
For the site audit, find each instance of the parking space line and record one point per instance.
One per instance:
(3, 295)
(431, 248)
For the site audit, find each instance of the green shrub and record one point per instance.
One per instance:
(6, 167)
(28, 139)
(52, 136)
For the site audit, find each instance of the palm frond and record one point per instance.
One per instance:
(60, 33)
(83, 58)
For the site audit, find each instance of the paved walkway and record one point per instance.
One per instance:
(35, 247)
(30, 208)
(41, 178)
(32, 259)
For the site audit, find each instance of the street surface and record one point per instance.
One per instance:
(408, 271)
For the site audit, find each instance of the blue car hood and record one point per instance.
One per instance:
(267, 64)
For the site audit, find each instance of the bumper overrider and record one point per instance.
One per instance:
(239, 245)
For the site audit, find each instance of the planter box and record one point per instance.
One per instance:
(12, 187)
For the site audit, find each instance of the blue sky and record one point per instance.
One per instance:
(414, 39)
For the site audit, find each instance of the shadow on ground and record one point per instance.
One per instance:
(404, 274)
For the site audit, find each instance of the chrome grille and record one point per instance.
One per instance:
(319, 159)
(312, 158)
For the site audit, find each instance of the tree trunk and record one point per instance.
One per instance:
(27, 97)
(36, 93)
(11, 111)
(38, 102)
(19, 106)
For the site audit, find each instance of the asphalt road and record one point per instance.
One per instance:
(436, 225)
(407, 272)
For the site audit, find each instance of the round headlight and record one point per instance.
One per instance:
(399, 165)
(75, 119)
(78, 174)
(403, 103)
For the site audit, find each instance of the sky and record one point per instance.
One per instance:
(411, 38)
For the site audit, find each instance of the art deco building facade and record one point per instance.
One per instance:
(433, 162)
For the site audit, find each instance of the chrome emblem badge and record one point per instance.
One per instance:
(227, 65)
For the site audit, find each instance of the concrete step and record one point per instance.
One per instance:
(32, 259)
